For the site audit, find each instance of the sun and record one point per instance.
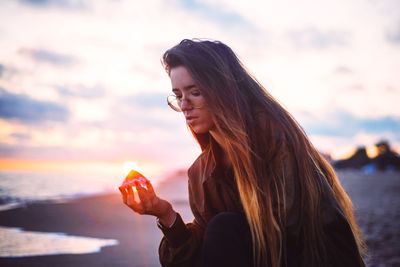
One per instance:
(128, 166)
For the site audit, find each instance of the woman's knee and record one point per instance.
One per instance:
(227, 226)
(226, 221)
(227, 241)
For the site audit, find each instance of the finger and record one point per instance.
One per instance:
(130, 196)
(132, 203)
(142, 192)
(144, 197)
(150, 188)
(123, 193)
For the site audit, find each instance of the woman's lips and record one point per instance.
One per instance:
(190, 119)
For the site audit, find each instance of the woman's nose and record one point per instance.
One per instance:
(186, 104)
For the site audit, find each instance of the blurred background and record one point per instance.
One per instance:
(83, 95)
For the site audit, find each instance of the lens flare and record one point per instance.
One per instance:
(128, 166)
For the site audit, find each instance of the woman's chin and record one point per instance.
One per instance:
(201, 127)
(198, 130)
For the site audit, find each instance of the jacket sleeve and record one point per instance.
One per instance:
(181, 244)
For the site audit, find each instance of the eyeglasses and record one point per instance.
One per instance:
(176, 103)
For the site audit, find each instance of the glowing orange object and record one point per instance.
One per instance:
(135, 177)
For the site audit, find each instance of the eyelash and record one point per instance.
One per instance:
(194, 93)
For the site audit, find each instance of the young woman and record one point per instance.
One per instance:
(260, 193)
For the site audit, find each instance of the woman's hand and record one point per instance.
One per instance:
(149, 204)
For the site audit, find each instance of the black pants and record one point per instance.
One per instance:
(227, 242)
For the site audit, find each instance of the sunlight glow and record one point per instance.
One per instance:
(128, 166)
(372, 152)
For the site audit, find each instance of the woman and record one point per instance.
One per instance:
(260, 193)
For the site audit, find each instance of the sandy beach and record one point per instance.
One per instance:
(101, 217)
(376, 198)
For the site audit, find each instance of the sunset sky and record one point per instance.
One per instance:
(81, 82)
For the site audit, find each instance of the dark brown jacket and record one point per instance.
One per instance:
(212, 190)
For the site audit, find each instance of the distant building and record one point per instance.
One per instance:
(356, 161)
(385, 160)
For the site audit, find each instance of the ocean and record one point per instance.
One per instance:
(21, 188)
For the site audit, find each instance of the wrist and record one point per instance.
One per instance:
(168, 219)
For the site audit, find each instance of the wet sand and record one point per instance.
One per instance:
(376, 198)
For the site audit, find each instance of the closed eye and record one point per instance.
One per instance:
(196, 93)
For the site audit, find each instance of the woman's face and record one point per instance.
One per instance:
(191, 101)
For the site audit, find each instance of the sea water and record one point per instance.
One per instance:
(23, 187)
(19, 188)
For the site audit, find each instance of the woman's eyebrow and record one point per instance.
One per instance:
(186, 88)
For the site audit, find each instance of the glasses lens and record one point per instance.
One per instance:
(173, 103)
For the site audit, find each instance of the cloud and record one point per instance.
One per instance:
(81, 91)
(7, 150)
(315, 38)
(147, 100)
(6, 72)
(344, 70)
(58, 3)
(145, 119)
(25, 109)
(118, 44)
(21, 137)
(393, 35)
(46, 56)
(356, 87)
(391, 89)
(36, 152)
(215, 13)
(344, 124)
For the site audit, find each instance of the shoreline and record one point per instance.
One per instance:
(103, 216)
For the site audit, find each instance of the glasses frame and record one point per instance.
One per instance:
(177, 108)
(169, 102)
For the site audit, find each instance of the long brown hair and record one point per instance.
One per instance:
(235, 97)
